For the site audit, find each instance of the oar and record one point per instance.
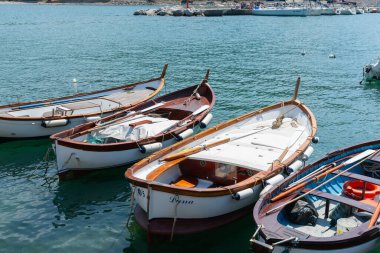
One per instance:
(199, 148)
(317, 171)
(319, 186)
(354, 159)
(194, 150)
(375, 216)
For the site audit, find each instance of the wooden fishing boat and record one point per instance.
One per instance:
(45, 117)
(336, 198)
(215, 176)
(131, 135)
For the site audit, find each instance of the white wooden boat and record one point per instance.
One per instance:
(131, 135)
(215, 177)
(280, 11)
(45, 117)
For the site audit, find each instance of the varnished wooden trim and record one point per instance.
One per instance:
(250, 182)
(10, 118)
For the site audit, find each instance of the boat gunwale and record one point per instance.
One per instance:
(228, 190)
(67, 142)
(312, 242)
(13, 118)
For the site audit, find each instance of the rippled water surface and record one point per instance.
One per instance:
(254, 62)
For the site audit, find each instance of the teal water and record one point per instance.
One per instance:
(254, 62)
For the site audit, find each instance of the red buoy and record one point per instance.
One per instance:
(355, 189)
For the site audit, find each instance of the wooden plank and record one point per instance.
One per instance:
(153, 175)
(141, 122)
(340, 199)
(359, 177)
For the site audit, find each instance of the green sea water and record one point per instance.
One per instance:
(254, 62)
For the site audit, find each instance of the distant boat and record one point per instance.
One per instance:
(328, 11)
(131, 135)
(359, 11)
(215, 176)
(314, 11)
(327, 206)
(280, 11)
(347, 11)
(45, 117)
(373, 10)
(371, 72)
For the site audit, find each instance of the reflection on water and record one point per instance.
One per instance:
(91, 194)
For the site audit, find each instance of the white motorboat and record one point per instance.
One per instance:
(328, 11)
(347, 11)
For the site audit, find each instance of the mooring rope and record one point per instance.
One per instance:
(176, 198)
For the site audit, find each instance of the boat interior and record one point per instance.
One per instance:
(193, 173)
(85, 104)
(137, 126)
(344, 204)
(253, 146)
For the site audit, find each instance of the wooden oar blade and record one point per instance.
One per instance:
(375, 216)
(360, 156)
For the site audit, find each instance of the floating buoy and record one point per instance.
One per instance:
(206, 120)
(54, 123)
(303, 53)
(150, 148)
(185, 134)
(315, 139)
(75, 85)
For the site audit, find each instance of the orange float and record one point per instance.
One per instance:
(354, 189)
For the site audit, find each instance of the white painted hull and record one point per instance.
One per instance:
(15, 129)
(303, 12)
(169, 205)
(365, 247)
(82, 160)
(248, 147)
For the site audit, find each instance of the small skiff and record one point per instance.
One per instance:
(131, 135)
(215, 176)
(331, 205)
(45, 117)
